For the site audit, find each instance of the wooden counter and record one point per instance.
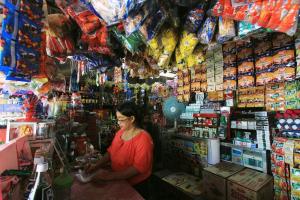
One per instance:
(114, 190)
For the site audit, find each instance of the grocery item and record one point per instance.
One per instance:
(195, 18)
(207, 32)
(226, 30)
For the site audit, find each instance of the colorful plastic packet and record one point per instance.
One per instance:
(9, 23)
(86, 20)
(29, 33)
(289, 23)
(152, 24)
(195, 18)
(112, 12)
(226, 30)
(246, 28)
(136, 19)
(132, 43)
(207, 32)
(188, 43)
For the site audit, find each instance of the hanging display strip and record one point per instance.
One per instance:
(281, 16)
(21, 36)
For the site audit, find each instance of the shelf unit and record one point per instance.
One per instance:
(263, 154)
(189, 137)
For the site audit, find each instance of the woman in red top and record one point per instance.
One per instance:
(131, 151)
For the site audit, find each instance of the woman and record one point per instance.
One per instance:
(131, 151)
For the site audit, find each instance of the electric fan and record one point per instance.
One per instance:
(172, 109)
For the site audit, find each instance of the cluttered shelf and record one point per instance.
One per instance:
(226, 144)
(189, 137)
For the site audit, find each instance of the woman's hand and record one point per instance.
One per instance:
(89, 168)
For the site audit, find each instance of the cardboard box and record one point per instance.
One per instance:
(250, 185)
(215, 180)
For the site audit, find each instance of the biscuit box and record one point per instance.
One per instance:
(215, 179)
(250, 185)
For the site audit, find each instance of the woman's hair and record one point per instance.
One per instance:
(129, 109)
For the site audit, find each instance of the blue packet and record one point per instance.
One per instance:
(195, 18)
(207, 32)
(9, 25)
(7, 55)
(152, 24)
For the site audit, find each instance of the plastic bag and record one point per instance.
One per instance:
(188, 43)
(226, 30)
(218, 8)
(113, 11)
(208, 30)
(29, 33)
(136, 19)
(195, 18)
(228, 11)
(32, 9)
(87, 21)
(245, 28)
(9, 23)
(132, 43)
(7, 55)
(267, 10)
(254, 10)
(59, 24)
(152, 25)
(289, 23)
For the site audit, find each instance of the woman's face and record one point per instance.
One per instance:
(124, 121)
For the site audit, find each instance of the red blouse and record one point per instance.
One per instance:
(136, 152)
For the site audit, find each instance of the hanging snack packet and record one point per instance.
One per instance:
(245, 81)
(254, 12)
(246, 28)
(218, 8)
(280, 10)
(267, 10)
(188, 43)
(245, 67)
(7, 55)
(284, 57)
(86, 20)
(112, 12)
(228, 11)
(229, 48)
(136, 19)
(207, 32)
(195, 18)
(240, 12)
(226, 30)
(152, 25)
(29, 34)
(264, 62)
(32, 9)
(8, 23)
(132, 43)
(289, 23)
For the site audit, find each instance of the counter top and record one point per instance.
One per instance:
(113, 190)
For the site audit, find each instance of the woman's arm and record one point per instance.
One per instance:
(120, 175)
